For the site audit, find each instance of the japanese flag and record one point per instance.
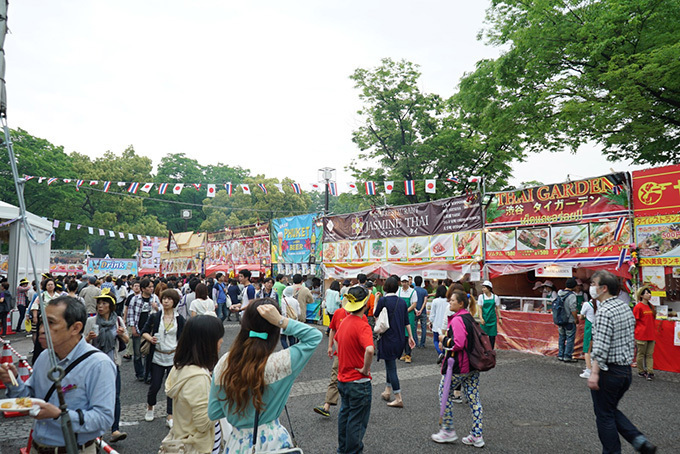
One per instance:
(352, 187)
(474, 179)
(177, 189)
(211, 190)
(314, 187)
(245, 188)
(389, 187)
(147, 187)
(431, 186)
(279, 187)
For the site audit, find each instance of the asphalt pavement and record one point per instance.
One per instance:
(532, 404)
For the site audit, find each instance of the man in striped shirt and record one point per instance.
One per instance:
(612, 355)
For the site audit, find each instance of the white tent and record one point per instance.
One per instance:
(19, 260)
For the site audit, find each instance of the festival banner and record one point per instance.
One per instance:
(296, 239)
(67, 261)
(658, 240)
(444, 230)
(238, 248)
(181, 265)
(563, 203)
(656, 191)
(150, 255)
(116, 267)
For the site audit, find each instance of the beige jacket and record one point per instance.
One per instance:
(189, 388)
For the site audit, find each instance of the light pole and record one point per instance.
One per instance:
(326, 174)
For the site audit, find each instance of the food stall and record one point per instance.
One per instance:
(440, 239)
(296, 249)
(553, 232)
(234, 249)
(656, 204)
(181, 253)
(149, 255)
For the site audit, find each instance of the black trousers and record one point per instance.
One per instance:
(157, 374)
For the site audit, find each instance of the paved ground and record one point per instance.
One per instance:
(532, 404)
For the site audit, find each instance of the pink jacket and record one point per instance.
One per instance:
(456, 329)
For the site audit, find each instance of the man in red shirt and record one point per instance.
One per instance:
(354, 340)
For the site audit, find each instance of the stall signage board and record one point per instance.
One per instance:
(562, 203)
(67, 261)
(242, 251)
(181, 265)
(443, 230)
(296, 239)
(658, 240)
(656, 191)
(555, 271)
(150, 256)
(116, 267)
(435, 274)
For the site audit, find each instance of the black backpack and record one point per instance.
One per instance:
(559, 313)
(481, 354)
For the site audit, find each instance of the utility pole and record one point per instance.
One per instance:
(326, 175)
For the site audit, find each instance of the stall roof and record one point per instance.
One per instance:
(8, 211)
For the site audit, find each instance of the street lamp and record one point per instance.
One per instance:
(326, 175)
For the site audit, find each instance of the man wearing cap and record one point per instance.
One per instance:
(568, 331)
(88, 295)
(22, 291)
(410, 297)
(354, 341)
(90, 409)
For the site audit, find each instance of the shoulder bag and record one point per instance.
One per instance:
(295, 450)
(382, 323)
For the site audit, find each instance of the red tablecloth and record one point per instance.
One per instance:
(535, 332)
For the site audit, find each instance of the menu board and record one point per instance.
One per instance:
(442, 247)
(595, 239)
(658, 240)
(563, 203)
(150, 257)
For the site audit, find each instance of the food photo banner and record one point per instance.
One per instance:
(571, 202)
(296, 239)
(444, 230)
(67, 261)
(656, 191)
(150, 255)
(658, 240)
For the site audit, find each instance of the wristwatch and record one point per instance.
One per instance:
(281, 321)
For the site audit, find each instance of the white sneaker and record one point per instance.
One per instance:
(149, 415)
(445, 436)
(477, 442)
(168, 423)
(585, 374)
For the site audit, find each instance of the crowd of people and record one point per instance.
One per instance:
(172, 329)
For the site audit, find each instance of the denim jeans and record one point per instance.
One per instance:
(288, 341)
(435, 339)
(116, 411)
(423, 328)
(22, 314)
(566, 340)
(353, 417)
(392, 377)
(609, 419)
(222, 311)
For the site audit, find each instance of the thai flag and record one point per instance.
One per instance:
(197, 186)
(51, 180)
(28, 177)
(332, 188)
(296, 188)
(453, 179)
(229, 187)
(163, 187)
(370, 187)
(622, 257)
(134, 187)
(618, 232)
(107, 186)
(627, 285)
(410, 187)
(261, 186)
(616, 189)
(79, 183)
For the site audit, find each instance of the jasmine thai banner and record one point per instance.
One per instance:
(296, 239)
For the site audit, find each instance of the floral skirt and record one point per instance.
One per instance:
(270, 436)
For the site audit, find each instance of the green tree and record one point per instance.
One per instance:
(603, 71)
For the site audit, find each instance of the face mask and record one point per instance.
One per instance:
(593, 292)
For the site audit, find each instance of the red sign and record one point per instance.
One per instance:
(570, 202)
(656, 191)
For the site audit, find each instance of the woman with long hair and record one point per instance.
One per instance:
(253, 379)
(188, 384)
(202, 305)
(103, 331)
(645, 332)
(392, 342)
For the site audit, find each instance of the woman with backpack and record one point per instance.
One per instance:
(456, 370)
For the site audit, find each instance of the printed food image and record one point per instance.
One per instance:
(604, 234)
(665, 240)
(360, 249)
(442, 245)
(500, 240)
(378, 248)
(438, 249)
(532, 239)
(468, 243)
(343, 250)
(416, 248)
(570, 236)
(329, 252)
(394, 250)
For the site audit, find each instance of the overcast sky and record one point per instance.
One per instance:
(264, 85)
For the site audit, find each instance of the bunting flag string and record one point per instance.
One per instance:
(102, 232)
(369, 187)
